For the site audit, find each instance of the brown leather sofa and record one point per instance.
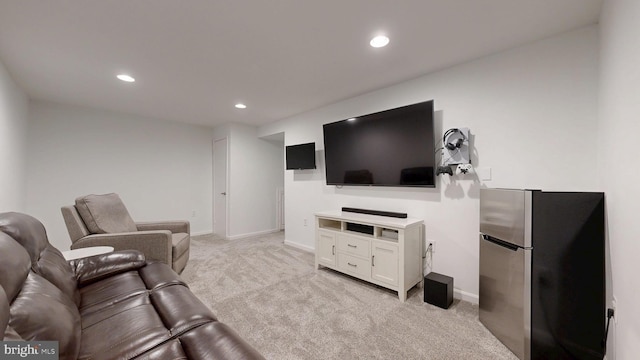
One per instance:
(111, 306)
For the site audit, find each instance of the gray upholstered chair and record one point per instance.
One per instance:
(103, 220)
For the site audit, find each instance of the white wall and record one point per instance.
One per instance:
(532, 112)
(13, 143)
(619, 126)
(256, 168)
(161, 170)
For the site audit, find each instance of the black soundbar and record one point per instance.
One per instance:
(376, 212)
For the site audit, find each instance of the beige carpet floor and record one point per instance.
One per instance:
(272, 296)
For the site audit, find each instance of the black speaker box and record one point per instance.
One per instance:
(438, 290)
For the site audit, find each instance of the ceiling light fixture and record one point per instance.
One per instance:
(126, 78)
(241, 106)
(379, 41)
(351, 119)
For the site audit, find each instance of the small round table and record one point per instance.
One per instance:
(86, 252)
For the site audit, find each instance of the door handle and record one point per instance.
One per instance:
(333, 250)
(223, 193)
(372, 262)
(501, 243)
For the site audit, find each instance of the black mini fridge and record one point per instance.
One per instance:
(542, 272)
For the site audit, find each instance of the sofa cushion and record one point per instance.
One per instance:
(179, 309)
(110, 291)
(41, 312)
(157, 275)
(14, 266)
(11, 335)
(4, 310)
(105, 214)
(122, 330)
(53, 267)
(46, 260)
(169, 350)
(180, 244)
(216, 340)
(27, 231)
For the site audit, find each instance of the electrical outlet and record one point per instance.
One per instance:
(305, 222)
(614, 304)
(431, 243)
(193, 214)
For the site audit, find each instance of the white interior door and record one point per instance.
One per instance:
(220, 195)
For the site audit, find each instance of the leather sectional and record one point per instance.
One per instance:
(111, 306)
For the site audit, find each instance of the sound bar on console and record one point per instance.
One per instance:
(376, 212)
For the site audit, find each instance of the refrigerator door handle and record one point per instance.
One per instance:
(499, 242)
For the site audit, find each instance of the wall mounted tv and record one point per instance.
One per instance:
(302, 156)
(388, 148)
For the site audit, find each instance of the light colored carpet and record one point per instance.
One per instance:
(272, 296)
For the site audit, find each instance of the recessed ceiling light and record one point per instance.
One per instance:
(351, 119)
(241, 106)
(125, 77)
(379, 41)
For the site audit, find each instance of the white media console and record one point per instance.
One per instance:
(382, 250)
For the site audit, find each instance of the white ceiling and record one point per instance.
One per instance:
(194, 59)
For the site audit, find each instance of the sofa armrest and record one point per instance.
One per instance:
(175, 226)
(91, 269)
(155, 245)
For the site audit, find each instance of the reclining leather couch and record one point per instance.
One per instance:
(110, 306)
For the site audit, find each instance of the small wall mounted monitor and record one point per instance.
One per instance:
(302, 156)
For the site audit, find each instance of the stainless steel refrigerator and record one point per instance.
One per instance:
(542, 272)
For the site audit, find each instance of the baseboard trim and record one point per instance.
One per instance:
(257, 233)
(299, 246)
(466, 296)
(201, 233)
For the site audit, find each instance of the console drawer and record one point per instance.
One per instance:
(353, 245)
(354, 265)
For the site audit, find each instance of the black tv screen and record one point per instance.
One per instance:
(302, 156)
(388, 148)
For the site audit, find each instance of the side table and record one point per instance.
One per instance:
(86, 252)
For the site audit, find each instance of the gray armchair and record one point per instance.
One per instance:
(103, 220)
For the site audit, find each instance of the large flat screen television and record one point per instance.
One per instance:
(388, 148)
(301, 156)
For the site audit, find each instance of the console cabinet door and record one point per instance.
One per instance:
(326, 248)
(384, 262)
